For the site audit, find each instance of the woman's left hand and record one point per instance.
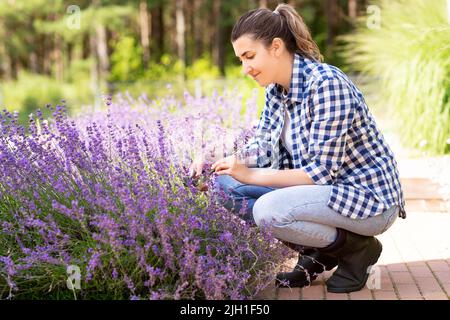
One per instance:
(234, 168)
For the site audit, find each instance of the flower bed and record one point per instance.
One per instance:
(107, 193)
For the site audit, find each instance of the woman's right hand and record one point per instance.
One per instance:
(196, 168)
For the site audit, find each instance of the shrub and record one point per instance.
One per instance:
(106, 192)
(410, 55)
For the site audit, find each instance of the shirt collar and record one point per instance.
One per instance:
(297, 78)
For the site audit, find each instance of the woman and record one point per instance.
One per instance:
(327, 180)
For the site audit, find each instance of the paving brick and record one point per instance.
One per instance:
(417, 264)
(415, 254)
(336, 296)
(439, 266)
(428, 285)
(385, 295)
(444, 277)
(402, 277)
(446, 288)
(314, 292)
(397, 267)
(269, 293)
(363, 294)
(409, 292)
(421, 272)
(385, 285)
(288, 294)
(435, 296)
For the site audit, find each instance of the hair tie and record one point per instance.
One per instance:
(276, 12)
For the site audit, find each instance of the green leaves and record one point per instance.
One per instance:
(410, 55)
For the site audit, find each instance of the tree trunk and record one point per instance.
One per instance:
(94, 69)
(332, 15)
(180, 30)
(33, 60)
(40, 52)
(57, 57)
(16, 67)
(352, 9)
(219, 45)
(157, 31)
(102, 50)
(47, 65)
(5, 59)
(145, 31)
(85, 46)
(198, 44)
(6, 62)
(69, 56)
(208, 31)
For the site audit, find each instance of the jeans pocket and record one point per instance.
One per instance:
(390, 215)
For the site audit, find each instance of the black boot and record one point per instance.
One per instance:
(310, 264)
(355, 253)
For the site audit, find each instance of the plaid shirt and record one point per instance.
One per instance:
(336, 140)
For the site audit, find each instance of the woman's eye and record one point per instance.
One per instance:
(251, 57)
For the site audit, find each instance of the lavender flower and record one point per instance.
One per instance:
(105, 191)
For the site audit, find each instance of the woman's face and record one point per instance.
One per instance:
(259, 62)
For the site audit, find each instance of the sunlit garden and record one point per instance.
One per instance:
(100, 122)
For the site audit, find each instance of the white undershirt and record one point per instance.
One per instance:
(286, 134)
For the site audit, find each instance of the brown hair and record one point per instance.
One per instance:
(285, 23)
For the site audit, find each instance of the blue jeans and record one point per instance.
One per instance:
(297, 214)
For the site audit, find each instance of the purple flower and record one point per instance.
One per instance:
(105, 191)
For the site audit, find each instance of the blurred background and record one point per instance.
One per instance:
(397, 51)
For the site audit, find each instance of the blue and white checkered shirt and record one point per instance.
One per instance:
(335, 140)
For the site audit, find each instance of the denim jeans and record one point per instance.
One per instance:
(297, 214)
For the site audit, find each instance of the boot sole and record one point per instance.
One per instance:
(359, 287)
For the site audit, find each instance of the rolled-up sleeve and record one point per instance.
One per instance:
(333, 110)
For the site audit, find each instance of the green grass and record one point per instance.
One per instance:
(31, 91)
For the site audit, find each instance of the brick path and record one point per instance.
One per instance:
(415, 262)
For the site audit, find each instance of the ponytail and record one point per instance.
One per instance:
(285, 23)
(305, 45)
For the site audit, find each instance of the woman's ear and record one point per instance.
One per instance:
(277, 47)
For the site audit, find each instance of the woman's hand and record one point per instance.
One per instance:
(196, 168)
(231, 166)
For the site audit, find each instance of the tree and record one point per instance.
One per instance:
(158, 29)
(180, 31)
(145, 31)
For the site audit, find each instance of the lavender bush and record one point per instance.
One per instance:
(107, 192)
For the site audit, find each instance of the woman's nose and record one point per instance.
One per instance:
(247, 69)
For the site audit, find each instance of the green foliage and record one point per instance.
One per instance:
(167, 69)
(410, 54)
(30, 92)
(203, 69)
(113, 16)
(126, 60)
